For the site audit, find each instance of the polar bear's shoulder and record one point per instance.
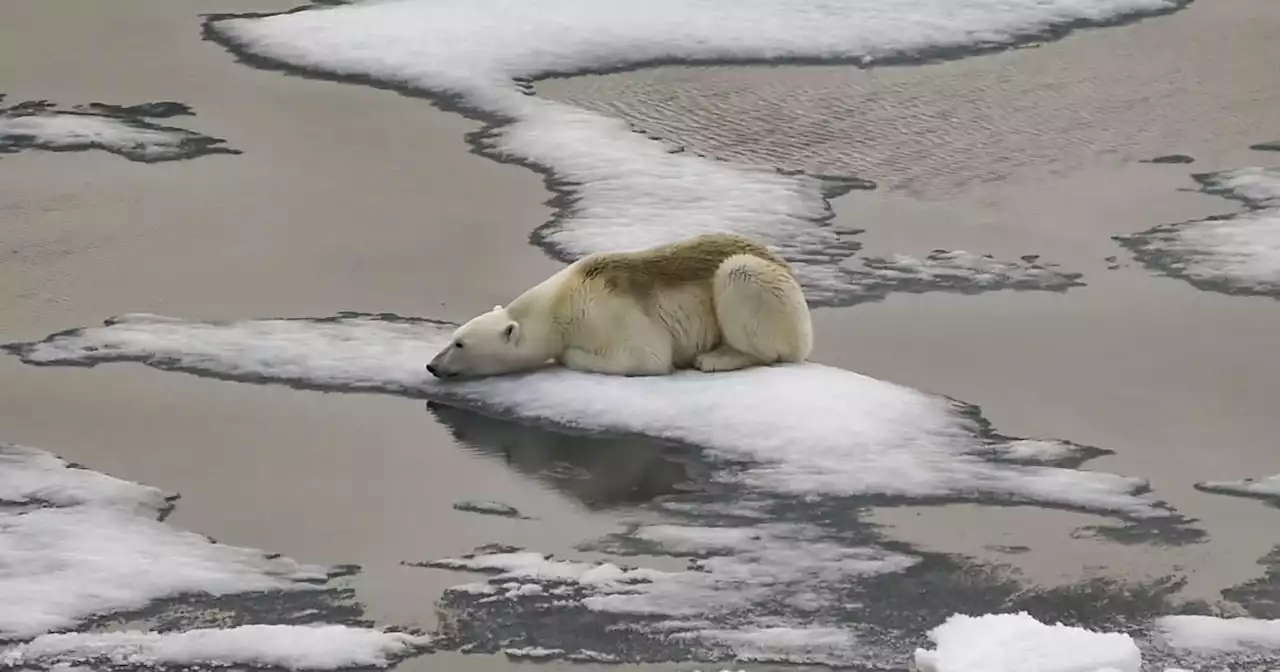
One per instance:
(688, 261)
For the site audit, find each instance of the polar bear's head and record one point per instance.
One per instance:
(489, 345)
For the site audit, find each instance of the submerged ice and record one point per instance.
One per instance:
(623, 191)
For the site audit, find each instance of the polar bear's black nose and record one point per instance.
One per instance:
(431, 369)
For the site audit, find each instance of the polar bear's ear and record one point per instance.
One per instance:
(497, 307)
(511, 332)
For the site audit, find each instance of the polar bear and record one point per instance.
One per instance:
(715, 302)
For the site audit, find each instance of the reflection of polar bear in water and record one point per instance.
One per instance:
(597, 470)
(717, 302)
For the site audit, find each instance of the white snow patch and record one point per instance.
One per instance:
(1208, 633)
(1255, 185)
(630, 191)
(33, 476)
(1241, 251)
(1268, 486)
(1037, 450)
(533, 653)
(60, 565)
(94, 546)
(63, 130)
(802, 429)
(1020, 643)
(956, 267)
(292, 647)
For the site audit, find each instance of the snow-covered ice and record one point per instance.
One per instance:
(958, 270)
(1209, 633)
(37, 477)
(40, 125)
(1020, 643)
(625, 191)
(61, 131)
(92, 545)
(1238, 253)
(800, 429)
(290, 647)
(1263, 488)
(77, 544)
(61, 565)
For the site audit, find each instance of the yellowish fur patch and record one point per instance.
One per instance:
(693, 261)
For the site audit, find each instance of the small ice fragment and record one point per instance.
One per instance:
(1020, 643)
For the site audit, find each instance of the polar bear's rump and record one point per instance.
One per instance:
(761, 311)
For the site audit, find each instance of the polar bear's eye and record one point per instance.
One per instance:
(457, 344)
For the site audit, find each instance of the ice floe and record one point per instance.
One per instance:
(124, 131)
(621, 190)
(30, 476)
(1209, 633)
(290, 647)
(1267, 488)
(1020, 643)
(76, 543)
(1233, 254)
(78, 546)
(803, 429)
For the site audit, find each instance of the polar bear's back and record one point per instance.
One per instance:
(689, 262)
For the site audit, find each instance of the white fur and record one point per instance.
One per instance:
(751, 313)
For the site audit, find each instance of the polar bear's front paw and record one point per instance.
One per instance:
(722, 359)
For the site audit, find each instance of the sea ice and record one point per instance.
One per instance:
(1209, 633)
(291, 647)
(76, 543)
(626, 191)
(1237, 253)
(1020, 643)
(770, 564)
(1262, 488)
(33, 476)
(799, 429)
(119, 130)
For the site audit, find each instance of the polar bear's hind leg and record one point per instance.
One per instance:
(762, 313)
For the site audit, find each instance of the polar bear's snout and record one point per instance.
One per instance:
(438, 369)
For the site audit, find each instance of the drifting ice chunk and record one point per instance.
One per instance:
(33, 476)
(292, 647)
(1208, 633)
(1020, 643)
